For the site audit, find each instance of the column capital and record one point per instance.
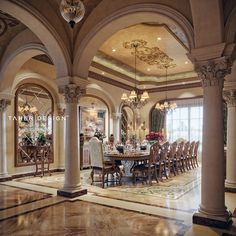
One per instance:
(116, 115)
(212, 72)
(3, 104)
(72, 92)
(230, 98)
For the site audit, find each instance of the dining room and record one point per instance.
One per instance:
(118, 117)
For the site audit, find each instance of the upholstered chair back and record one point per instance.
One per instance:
(96, 152)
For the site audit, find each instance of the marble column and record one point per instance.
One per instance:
(230, 182)
(3, 158)
(61, 142)
(212, 210)
(72, 185)
(116, 126)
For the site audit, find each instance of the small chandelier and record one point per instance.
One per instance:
(135, 100)
(27, 109)
(166, 106)
(72, 11)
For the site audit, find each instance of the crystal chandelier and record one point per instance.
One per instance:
(166, 106)
(135, 100)
(27, 109)
(72, 11)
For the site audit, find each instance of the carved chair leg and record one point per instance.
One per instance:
(92, 176)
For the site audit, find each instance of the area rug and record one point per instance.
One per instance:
(172, 188)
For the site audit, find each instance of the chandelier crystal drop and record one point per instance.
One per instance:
(135, 100)
(72, 11)
(166, 106)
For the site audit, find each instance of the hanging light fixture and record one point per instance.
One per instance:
(135, 100)
(166, 106)
(72, 11)
(27, 109)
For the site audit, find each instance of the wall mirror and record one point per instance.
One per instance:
(33, 123)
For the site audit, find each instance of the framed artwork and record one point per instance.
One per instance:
(92, 120)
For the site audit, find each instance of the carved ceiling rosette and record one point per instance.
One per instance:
(212, 72)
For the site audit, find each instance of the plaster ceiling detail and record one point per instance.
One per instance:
(152, 56)
(9, 28)
(6, 21)
(160, 39)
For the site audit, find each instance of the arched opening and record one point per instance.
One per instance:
(33, 118)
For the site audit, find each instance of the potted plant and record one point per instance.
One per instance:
(41, 139)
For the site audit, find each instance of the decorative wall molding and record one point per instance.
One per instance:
(110, 81)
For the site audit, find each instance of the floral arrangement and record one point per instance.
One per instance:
(99, 135)
(158, 136)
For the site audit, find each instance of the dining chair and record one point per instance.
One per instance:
(170, 159)
(161, 163)
(195, 154)
(42, 159)
(184, 158)
(100, 166)
(147, 171)
(190, 154)
(178, 162)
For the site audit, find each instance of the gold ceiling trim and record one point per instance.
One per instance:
(150, 55)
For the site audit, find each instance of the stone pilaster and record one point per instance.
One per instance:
(230, 182)
(3, 161)
(212, 210)
(72, 185)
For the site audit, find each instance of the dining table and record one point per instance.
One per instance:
(128, 159)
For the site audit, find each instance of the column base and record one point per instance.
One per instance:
(71, 193)
(5, 177)
(222, 222)
(230, 187)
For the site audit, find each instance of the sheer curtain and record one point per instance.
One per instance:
(185, 122)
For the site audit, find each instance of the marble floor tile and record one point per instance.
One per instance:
(12, 197)
(82, 218)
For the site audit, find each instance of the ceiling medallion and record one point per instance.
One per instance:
(150, 55)
(72, 11)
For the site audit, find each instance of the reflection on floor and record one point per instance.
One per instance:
(166, 208)
(81, 218)
(11, 197)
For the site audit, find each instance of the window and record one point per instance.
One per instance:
(185, 121)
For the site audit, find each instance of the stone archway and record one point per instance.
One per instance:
(127, 16)
(15, 61)
(36, 23)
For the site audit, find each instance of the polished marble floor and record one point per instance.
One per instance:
(111, 211)
(12, 197)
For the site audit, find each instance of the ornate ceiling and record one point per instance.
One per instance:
(9, 28)
(158, 45)
(159, 40)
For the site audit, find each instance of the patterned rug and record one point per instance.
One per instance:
(172, 188)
